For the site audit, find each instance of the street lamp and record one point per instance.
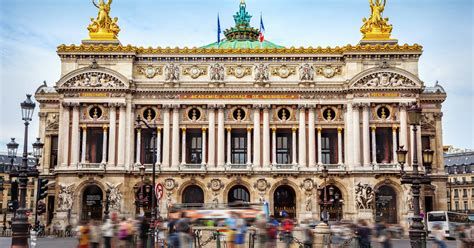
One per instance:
(12, 150)
(154, 211)
(37, 153)
(325, 175)
(416, 179)
(20, 223)
(107, 203)
(141, 199)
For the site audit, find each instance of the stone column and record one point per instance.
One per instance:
(256, 136)
(204, 139)
(366, 134)
(158, 146)
(302, 136)
(403, 126)
(374, 146)
(138, 147)
(75, 135)
(266, 136)
(348, 135)
(64, 135)
(411, 148)
(394, 145)
(166, 136)
(274, 146)
(339, 146)
(121, 137)
(293, 146)
(320, 155)
(104, 146)
(183, 145)
(229, 143)
(112, 125)
(356, 134)
(249, 145)
(129, 134)
(175, 139)
(84, 144)
(220, 136)
(311, 138)
(212, 136)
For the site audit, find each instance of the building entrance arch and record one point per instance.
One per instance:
(193, 194)
(334, 202)
(284, 202)
(386, 204)
(92, 198)
(238, 193)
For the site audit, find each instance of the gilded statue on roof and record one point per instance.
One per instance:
(376, 27)
(103, 27)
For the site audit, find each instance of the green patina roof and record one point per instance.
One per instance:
(242, 44)
(242, 36)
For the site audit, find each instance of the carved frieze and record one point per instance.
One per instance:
(115, 196)
(150, 71)
(283, 71)
(328, 71)
(428, 121)
(65, 197)
(261, 72)
(172, 72)
(384, 80)
(94, 79)
(52, 121)
(217, 72)
(306, 72)
(195, 71)
(239, 71)
(365, 196)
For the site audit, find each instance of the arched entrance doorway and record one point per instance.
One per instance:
(334, 201)
(143, 198)
(284, 201)
(238, 193)
(92, 198)
(193, 195)
(386, 204)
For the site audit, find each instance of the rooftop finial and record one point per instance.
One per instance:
(103, 27)
(242, 1)
(376, 28)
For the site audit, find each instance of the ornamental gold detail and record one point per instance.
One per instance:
(328, 71)
(103, 27)
(150, 71)
(195, 71)
(283, 71)
(376, 27)
(239, 71)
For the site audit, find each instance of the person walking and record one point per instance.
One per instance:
(95, 233)
(363, 233)
(143, 232)
(440, 237)
(287, 226)
(83, 235)
(108, 233)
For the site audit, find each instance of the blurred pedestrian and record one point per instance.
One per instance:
(261, 223)
(440, 237)
(82, 233)
(272, 232)
(363, 233)
(143, 234)
(241, 230)
(123, 233)
(95, 233)
(384, 236)
(108, 232)
(287, 227)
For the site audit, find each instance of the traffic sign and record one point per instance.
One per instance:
(159, 191)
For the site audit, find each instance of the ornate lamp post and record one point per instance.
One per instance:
(141, 199)
(20, 223)
(139, 121)
(37, 153)
(12, 150)
(325, 175)
(416, 179)
(107, 203)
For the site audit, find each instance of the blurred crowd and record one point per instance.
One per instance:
(236, 231)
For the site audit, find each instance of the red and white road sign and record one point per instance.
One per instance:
(159, 191)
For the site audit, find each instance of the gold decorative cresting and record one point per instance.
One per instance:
(376, 28)
(103, 28)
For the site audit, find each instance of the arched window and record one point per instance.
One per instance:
(284, 202)
(386, 204)
(334, 202)
(193, 195)
(92, 198)
(238, 193)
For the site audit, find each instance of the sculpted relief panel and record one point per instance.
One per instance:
(385, 79)
(94, 79)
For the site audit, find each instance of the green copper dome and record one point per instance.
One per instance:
(242, 36)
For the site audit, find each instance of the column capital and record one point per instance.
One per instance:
(112, 104)
(121, 105)
(204, 129)
(373, 128)
(302, 106)
(319, 128)
(294, 129)
(365, 106)
(42, 115)
(339, 129)
(228, 129)
(220, 106)
(158, 129)
(105, 127)
(74, 104)
(356, 106)
(66, 104)
(166, 106)
(212, 106)
(274, 129)
(394, 128)
(403, 105)
(84, 127)
(249, 129)
(176, 107)
(266, 107)
(311, 106)
(257, 106)
(183, 129)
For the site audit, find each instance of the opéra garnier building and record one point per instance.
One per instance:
(238, 120)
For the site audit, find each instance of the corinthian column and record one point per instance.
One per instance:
(339, 145)
(311, 138)
(366, 134)
(84, 144)
(320, 154)
(266, 136)
(293, 145)
(249, 145)
(203, 160)
(175, 139)
(75, 135)
(183, 145)
(220, 136)
(104, 146)
(212, 137)
(274, 146)
(166, 136)
(356, 134)
(256, 136)
(403, 126)
(394, 144)
(112, 125)
(138, 147)
(121, 137)
(64, 134)
(302, 137)
(348, 135)
(374, 146)
(229, 140)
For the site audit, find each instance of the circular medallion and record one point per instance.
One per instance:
(328, 72)
(95, 112)
(170, 184)
(194, 114)
(238, 114)
(239, 72)
(261, 184)
(150, 72)
(216, 184)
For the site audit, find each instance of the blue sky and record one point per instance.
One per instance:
(30, 31)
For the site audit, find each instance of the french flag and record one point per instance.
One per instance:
(261, 36)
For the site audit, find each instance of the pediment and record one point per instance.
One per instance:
(385, 78)
(96, 78)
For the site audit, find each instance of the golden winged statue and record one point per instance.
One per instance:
(376, 27)
(103, 27)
